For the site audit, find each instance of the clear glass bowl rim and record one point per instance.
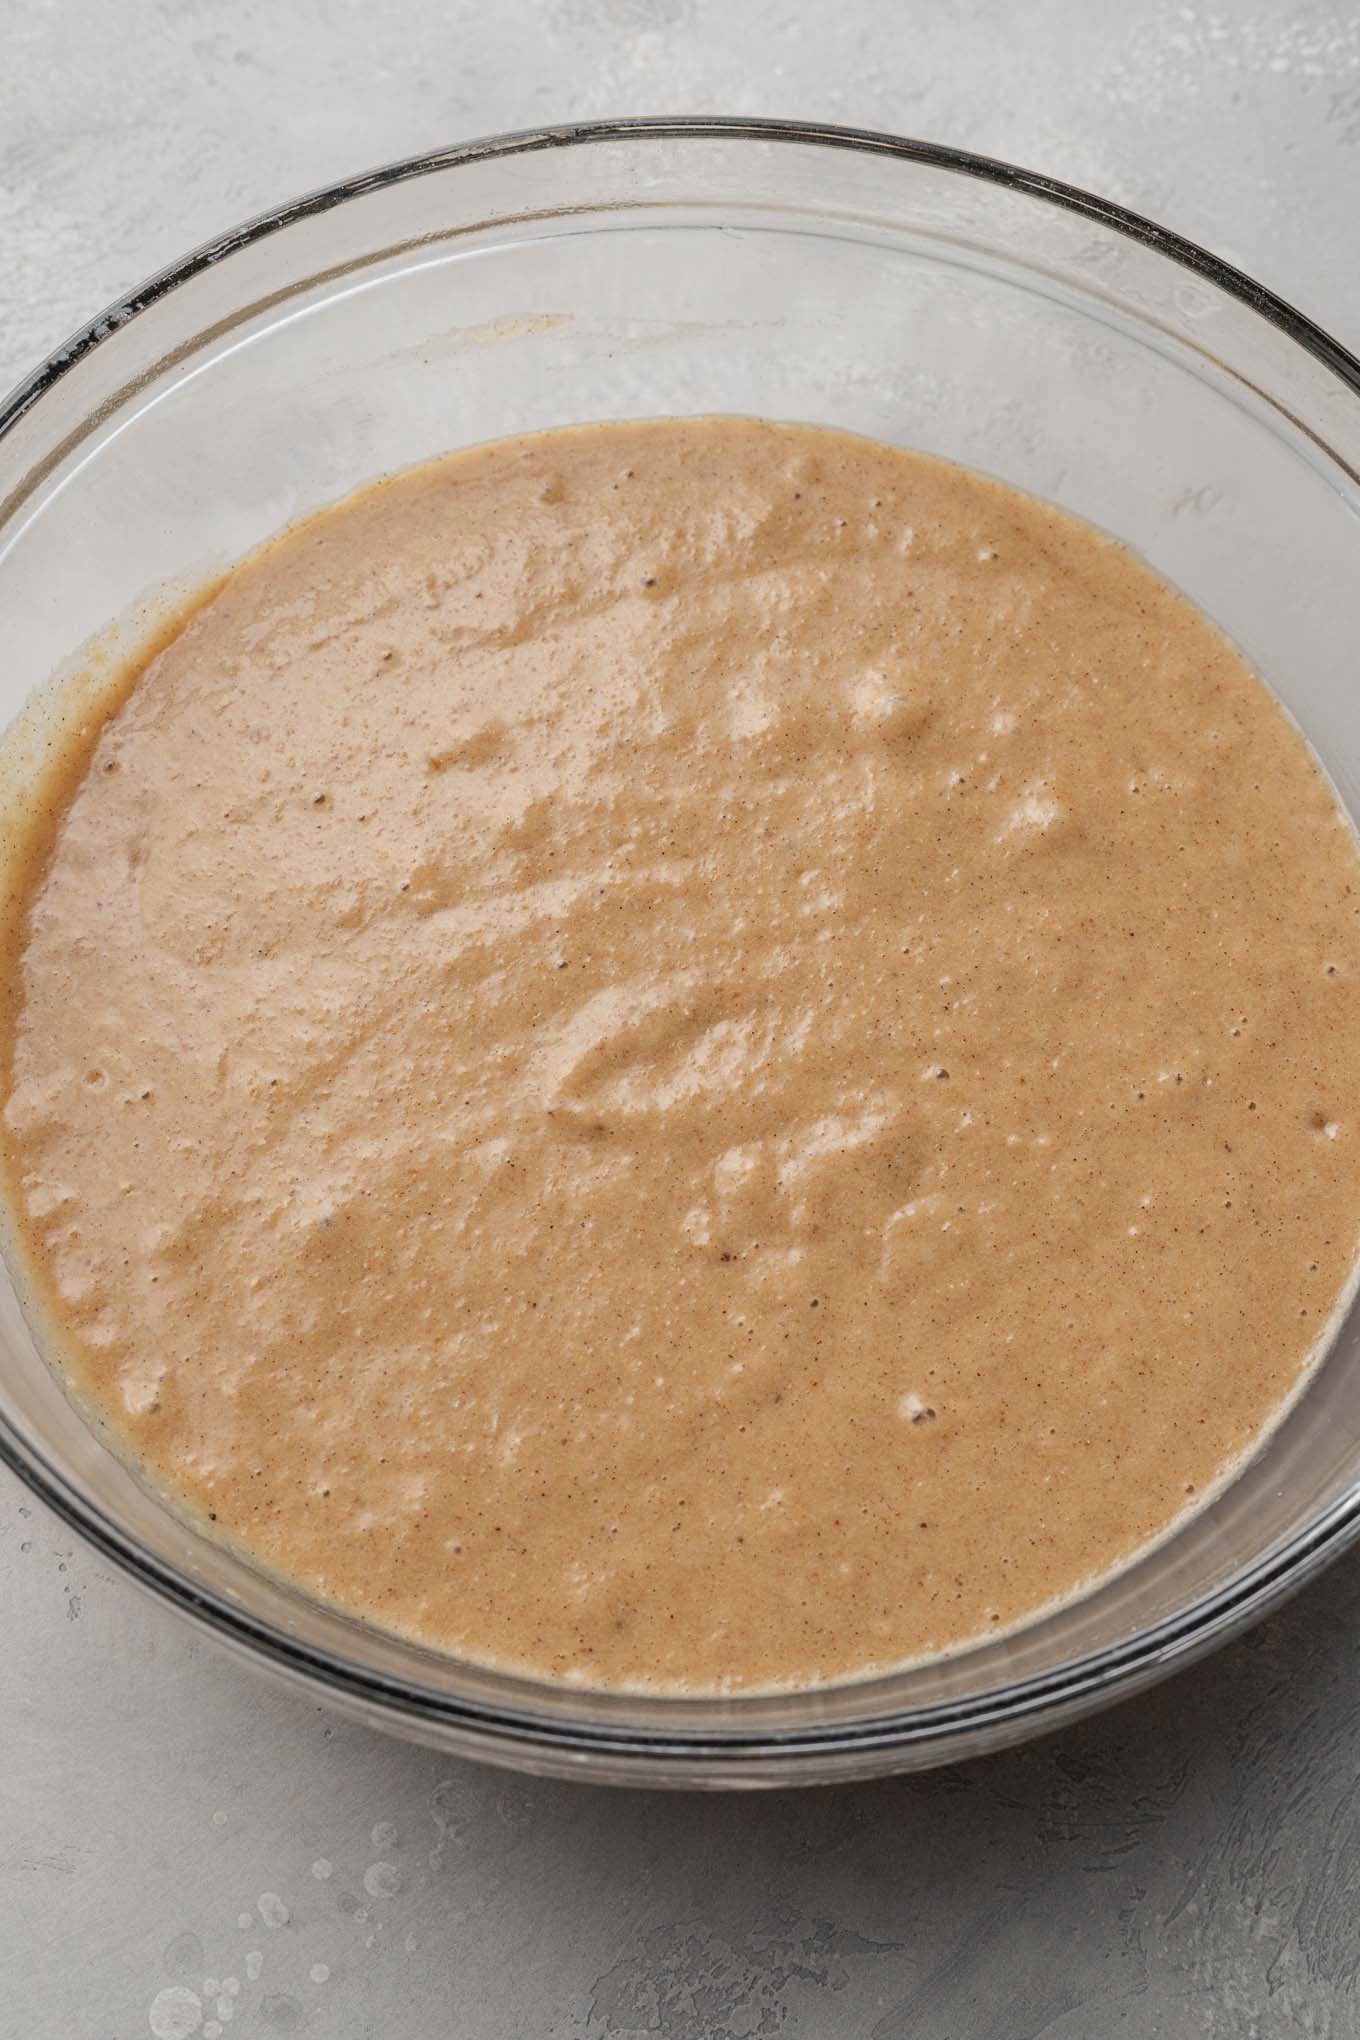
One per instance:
(518, 1733)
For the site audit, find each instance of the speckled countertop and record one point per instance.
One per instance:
(182, 1850)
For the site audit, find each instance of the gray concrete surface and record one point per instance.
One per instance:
(182, 1850)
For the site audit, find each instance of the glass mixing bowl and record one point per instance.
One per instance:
(635, 268)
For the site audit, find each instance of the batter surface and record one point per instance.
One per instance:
(700, 1054)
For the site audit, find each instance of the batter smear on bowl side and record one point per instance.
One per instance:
(698, 1054)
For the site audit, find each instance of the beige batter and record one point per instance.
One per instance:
(700, 1054)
